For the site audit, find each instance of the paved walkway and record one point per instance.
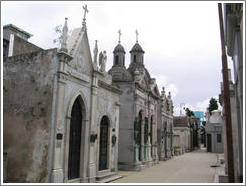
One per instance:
(192, 167)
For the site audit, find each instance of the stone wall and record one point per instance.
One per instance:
(108, 104)
(22, 47)
(126, 124)
(27, 92)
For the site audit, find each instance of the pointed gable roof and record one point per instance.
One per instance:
(74, 40)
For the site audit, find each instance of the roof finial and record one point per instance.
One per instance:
(119, 35)
(136, 36)
(64, 36)
(85, 11)
(95, 54)
(169, 95)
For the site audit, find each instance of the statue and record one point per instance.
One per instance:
(102, 60)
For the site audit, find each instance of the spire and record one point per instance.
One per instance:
(84, 19)
(136, 36)
(119, 35)
(95, 51)
(64, 37)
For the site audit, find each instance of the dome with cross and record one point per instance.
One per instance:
(136, 48)
(119, 48)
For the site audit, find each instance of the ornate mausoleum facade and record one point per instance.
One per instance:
(165, 127)
(61, 111)
(65, 119)
(139, 111)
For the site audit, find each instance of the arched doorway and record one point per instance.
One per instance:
(103, 146)
(75, 140)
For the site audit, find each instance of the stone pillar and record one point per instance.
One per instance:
(165, 137)
(148, 142)
(57, 170)
(136, 153)
(116, 146)
(93, 131)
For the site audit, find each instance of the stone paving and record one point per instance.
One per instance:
(192, 167)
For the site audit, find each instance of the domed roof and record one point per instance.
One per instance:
(136, 48)
(119, 48)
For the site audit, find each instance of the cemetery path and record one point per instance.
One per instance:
(192, 167)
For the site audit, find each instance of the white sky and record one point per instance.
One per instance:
(181, 40)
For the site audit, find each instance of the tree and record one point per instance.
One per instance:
(204, 123)
(189, 112)
(213, 105)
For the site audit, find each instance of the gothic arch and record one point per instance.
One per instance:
(109, 143)
(80, 99)
(104, 143)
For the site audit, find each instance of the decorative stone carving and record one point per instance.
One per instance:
(64, 37)
(137, 76)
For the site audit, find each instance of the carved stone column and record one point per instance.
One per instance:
(57, 170)
(93, 130)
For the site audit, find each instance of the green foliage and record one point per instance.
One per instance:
(176, 147)
(213, 105)
(189, 112)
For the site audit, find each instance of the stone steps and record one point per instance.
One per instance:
(107, 177)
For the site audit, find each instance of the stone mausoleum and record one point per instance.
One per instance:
(65, 119)
(60, 111)
(142, 110)
(214, 131)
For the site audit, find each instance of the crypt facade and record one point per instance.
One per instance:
(165, 127)
(139, 111)
(61, 111)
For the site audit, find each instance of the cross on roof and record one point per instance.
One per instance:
(137, 36)
(119, 35)
(85, 11)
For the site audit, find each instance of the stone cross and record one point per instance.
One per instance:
(86, 11)
(119, 35)
(137, 36)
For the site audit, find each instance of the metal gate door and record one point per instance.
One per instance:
(103, 155)
(75, 141)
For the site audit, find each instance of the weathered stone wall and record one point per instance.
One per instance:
(22, 47)
(27, 92)
(126, 128)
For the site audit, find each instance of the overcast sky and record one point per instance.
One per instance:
(181, 40)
